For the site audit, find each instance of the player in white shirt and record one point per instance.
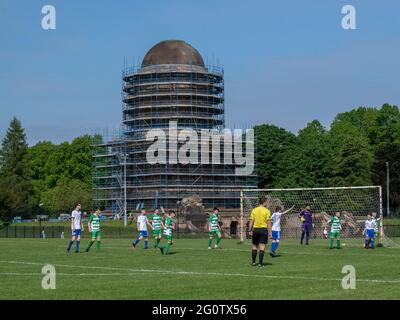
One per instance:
(369, 232)
(276, 229)
(142, 223)
(76, 228)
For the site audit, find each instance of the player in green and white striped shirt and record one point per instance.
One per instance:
(336, 227)
(169, 226)
(214, 229)
(94, 229)
(156, 222)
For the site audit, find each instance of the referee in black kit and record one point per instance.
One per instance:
(260, 222)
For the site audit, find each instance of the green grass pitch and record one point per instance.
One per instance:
(193, 272)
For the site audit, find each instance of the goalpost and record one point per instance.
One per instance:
(354, 203)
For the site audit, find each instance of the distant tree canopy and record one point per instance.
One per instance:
(45, 178)
(15, 183)
(50, 178)
(352, 152)
(62, 174)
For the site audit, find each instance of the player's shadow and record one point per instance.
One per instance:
(172, 253)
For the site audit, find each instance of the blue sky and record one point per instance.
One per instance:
(286, 62)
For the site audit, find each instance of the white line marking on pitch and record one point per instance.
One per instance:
(247, 250)
(148, 271)
(285, 252)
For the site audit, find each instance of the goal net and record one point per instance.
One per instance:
(354, 203)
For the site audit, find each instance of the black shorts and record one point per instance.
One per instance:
(260, 235)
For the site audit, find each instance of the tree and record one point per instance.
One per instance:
(8, 201)
(353, 163)
(272, 142)
(56, 166)
(39, 157)
(14, 151)
(63, 197)
(388, 152)
(79, 164)
(360, 121)
(308, 163)
(387, 128)
(15, 171)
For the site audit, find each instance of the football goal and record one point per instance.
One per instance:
(353, 203)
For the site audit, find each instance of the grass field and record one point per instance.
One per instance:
(193, 272)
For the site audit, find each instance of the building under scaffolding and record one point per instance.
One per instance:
(172, 85)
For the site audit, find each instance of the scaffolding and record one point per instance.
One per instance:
(193, 97)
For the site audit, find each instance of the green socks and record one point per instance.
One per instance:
(217, 242)
(166, 248)
(90, 244)
(156, 243)
(331, 243)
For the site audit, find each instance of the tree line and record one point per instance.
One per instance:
(353, 151)
(49, 178)
(45, 178)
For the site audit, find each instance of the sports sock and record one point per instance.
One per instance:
(209, 242)
(98, 244)
(166, 247)
(273, 245)
(338, 243)
(90, 244)
(253, 255)
(69, 245)
(136, 242)
(302, 237)
(218, 241)
(261, 257)
(77, 246)
(276, 246)
(331, 243)
(366, 242)
(155, 243)
(372, 243)
(146, 243)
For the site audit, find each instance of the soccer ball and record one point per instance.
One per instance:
(344, 244)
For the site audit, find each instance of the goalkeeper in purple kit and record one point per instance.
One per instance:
(306, 218)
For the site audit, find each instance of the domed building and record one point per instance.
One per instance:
(174, 87)
(173, 52)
